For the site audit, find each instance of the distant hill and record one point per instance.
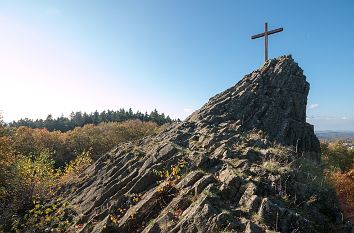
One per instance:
(331, 135)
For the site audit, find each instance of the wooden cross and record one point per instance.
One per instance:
(265, 34)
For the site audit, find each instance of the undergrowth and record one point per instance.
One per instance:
(339, 169)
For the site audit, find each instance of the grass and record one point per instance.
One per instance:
(275, 166)
(209, 194)
(256, 217)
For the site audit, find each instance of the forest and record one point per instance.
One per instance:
(79, 119)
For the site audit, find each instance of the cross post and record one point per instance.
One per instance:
(265, 35)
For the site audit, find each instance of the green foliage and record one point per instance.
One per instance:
(311, 173)
(38, 175)
(133, 199)
(34, 163)
(174, 173)
(337, 156)
(2, 125)
(76, 166)
(56, 216)
(31, 187)
(79, 119)
(26, 178)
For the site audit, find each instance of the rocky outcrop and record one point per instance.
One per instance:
(272, 99)
(235, 165)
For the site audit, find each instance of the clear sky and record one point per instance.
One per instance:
(63, 56)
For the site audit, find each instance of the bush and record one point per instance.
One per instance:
(344, 186)
(336, 156)
(34, 163)
(26, 178)
(339, 169)
(65, 146)
(76, 166)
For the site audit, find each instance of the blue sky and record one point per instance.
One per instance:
(63, 56)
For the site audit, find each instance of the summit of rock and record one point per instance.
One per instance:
(245, 162)
(272, 99)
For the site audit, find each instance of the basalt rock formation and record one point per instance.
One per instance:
(272, 99)
(244, 162)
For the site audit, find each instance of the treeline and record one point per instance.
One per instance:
(79, 119)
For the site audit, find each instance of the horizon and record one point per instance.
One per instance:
(58, 57)
(68, 116)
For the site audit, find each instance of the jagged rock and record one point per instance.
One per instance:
(272, 99)
(282, 219)
(251, 155)
(230, 183)
(190, 179)
(227, 168)
(253, 228)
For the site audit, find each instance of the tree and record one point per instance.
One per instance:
(87, 119)
(2, 124)
(49, 123)
(79, 119)
(95, 118)
(103, 117)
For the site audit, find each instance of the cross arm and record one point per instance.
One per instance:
(269, 33)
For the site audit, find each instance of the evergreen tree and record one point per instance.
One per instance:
(96, 118)
(79, 119)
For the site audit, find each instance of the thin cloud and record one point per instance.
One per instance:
(329, 118)
(188, 110)
(313, 106)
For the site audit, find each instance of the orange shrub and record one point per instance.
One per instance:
(344, 186)
(64, 147)
(339, 167)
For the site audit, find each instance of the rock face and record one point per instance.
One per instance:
(272, 99)
(235, 165)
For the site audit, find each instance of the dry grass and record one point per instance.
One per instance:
(275, 166)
